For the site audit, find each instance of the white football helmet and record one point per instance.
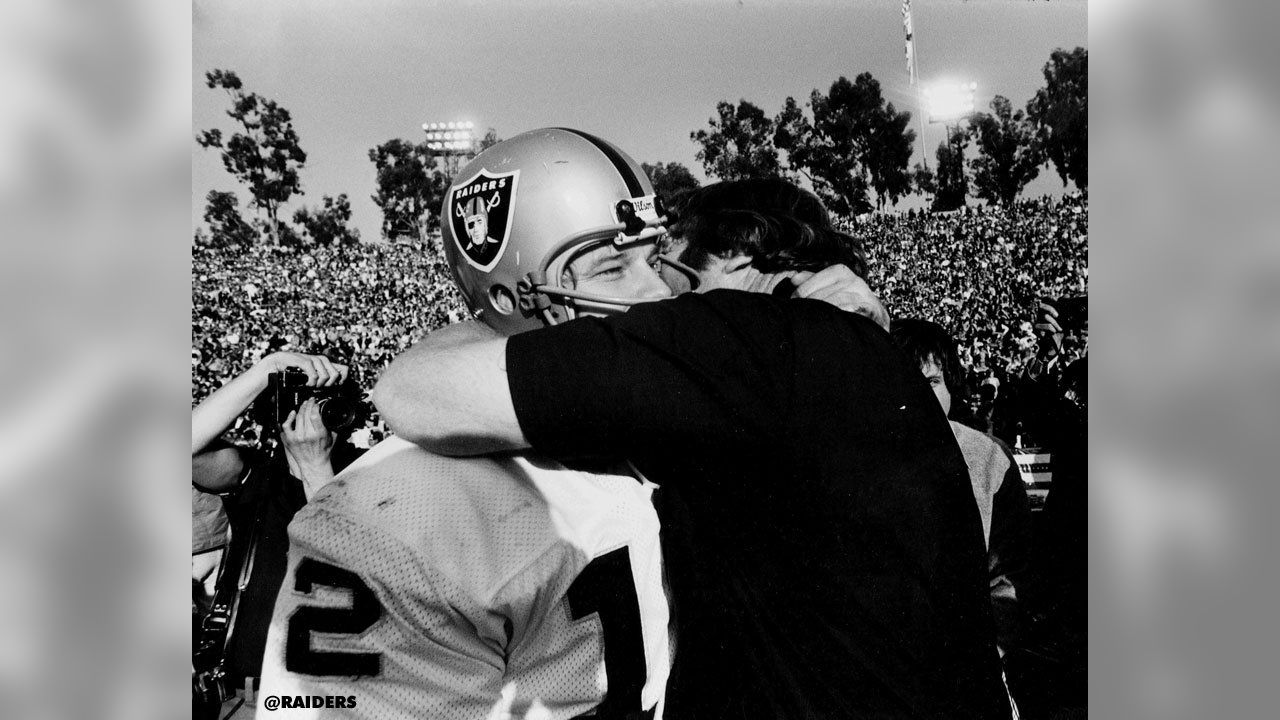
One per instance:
(521, 210)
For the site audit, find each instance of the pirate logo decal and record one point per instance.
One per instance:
(481, 212)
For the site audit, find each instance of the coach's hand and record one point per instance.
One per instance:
(839, 286)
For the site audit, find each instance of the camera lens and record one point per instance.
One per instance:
(339, 414)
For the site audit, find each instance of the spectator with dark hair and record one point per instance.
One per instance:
(997, 483)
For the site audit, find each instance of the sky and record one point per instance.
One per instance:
(643, 74)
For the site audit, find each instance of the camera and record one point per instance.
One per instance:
(342, 407)
(1073, 313)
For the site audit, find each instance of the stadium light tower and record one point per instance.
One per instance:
(451, 138)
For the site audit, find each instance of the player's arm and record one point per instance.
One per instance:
(449, 394)
(594, 385)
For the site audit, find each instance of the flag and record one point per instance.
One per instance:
(910, 43)
(1035, 466)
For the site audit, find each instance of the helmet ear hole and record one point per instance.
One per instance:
(502, 299)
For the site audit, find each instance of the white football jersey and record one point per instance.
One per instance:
(434, 587)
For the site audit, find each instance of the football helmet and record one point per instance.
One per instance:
(519, 212)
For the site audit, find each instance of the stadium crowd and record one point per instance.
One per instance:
(978, 272)
(359, 305)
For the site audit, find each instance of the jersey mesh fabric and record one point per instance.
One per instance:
(471, 561)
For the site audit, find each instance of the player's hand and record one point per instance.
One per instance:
(308, 444)
(320, 370)
(839, 286)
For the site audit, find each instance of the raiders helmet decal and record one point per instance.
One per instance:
(480, 212)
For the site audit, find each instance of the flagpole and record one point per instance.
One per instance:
(914, 71)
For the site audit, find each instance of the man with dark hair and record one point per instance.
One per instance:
(997, 483)
(761, 226)
(769, 222)
(934, 352)
(824, 550)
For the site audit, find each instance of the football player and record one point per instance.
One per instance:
(507, 586)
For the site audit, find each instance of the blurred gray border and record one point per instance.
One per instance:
(94, 149)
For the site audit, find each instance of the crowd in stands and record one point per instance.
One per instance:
(978, 272)
(360, 305)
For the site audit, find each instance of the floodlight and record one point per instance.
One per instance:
(947, 102)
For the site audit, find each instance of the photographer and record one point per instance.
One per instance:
(262, 488)
(212, 417)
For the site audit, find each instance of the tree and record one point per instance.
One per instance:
(1009, 155)
(288, 236)
(489, 140)
(227, 228)
(1060, 111)
(923, 180)
(266, 156)
(952, 186)
(328, 224)
(740, 144)
(834, 174)
(410, 188)
(412, 180)
(855, 142)
(671, 181)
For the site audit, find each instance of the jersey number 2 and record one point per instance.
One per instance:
(360, 615)
(606, 588)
